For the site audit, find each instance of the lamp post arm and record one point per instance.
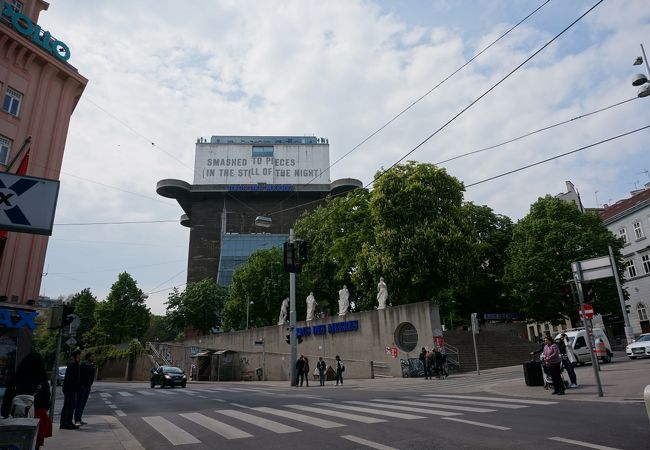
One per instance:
(645, 59)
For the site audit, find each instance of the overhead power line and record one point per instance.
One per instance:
(116, 223)
(557, 156)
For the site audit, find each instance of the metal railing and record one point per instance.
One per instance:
(453, 357)
(157, 357)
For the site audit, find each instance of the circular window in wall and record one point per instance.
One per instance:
(406, 337)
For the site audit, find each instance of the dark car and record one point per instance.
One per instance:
(168, 376)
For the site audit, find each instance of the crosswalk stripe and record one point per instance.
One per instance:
(436, 405)
(376, 412)
(162, 391)
(105, 395)
(342, 415)
(367, 443)
(476, 403)
(479, 424)
(125, 394)
(145, 392)
(225, 430)
(433, 412)
(120, 413)
(495, 399)
(581, 443)
(315, 421)
(174, 434)
(267, 424)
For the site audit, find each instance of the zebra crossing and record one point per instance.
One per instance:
(234, 422)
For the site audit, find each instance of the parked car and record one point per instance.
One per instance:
(61, 375)
(578, 341)
(168, 376)
(639, 348)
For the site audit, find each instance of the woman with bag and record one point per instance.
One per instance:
(31, 379)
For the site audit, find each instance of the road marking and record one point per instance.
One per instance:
(145, 392)
(582, 443)
(376, 412)
(367, 443)
(342, 415)
(125, 394)
(434, 404)
(120, 413)
(112, 406)
(104, 395)
(321, 423)
(267, 424)
(472, 402)
(174, 434)
(225, 430)
(202, 396)
(432, 412)
(219, 400)
(237, 405)
(162, 391)
(495, 399)
(478, 424)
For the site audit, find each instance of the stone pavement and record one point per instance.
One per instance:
(622, 381)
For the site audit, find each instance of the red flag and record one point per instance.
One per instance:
(22, 168)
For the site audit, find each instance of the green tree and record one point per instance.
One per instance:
(84, 303)
(336, 233)
(44, 339)
(420, 245)
(553, 235)
(262, 280)
(198, 307)
(123, 315)
(160, 329)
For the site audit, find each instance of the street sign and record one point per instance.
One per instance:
(475, 328)
(595, 268)
(589, 311)
(71, 342)
(27, 204)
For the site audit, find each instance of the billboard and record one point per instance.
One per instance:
(237, 164)
(27, 204)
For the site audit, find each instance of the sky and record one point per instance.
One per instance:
(164, 73)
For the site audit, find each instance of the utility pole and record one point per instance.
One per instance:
(292, 318)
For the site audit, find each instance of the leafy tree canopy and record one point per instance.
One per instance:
(198, 307)
(553, 235)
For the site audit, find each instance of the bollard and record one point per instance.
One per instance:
(646, 397)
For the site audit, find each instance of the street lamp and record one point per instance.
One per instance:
(248, 305)
(641, 79)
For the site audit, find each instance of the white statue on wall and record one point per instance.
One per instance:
(344, 301)
(283, 311)
(382, 293)
(311, 304)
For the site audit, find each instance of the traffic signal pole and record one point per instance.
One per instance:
(292, 319)
(55, 373)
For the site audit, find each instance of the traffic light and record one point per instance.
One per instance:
(68, 311)
(287, 339)
(290, 256)
(302, 252)
(590, 293)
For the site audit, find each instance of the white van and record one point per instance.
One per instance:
(578, 341)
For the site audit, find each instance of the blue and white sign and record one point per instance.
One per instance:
(27, 204)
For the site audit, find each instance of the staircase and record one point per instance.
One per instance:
(155, 356)
(495, 349)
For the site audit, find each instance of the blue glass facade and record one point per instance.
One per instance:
(236, 248)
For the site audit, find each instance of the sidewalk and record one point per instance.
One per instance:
(622, 381)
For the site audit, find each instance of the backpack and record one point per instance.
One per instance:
(342, 368)
(22, 406)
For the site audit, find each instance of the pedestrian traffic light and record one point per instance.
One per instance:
(302, 251)
(288, 339)
(289, 256)
(68, 311)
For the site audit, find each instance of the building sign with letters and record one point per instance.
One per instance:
(27, 204)
(278, 164)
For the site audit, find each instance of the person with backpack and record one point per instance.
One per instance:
(440, 359)
(300, 370)
(340, 368)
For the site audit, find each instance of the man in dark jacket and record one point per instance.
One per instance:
(71, 385)
(87, 376)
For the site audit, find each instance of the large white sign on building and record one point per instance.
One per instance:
(279, 164)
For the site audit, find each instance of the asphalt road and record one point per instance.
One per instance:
(382, 414)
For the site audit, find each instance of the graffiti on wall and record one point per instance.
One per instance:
(411, 368)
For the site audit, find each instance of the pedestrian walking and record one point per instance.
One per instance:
(306, 371)
(322, 367)
(300, 370)
(31, 379)
(340, 368)
(425, 363)
(440, 361)
(87, 377)
(71, 385)
(553, 361)
(568, 359)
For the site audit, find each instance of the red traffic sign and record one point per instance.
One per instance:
(589, 311)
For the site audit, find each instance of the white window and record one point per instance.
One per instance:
(631, 268)
(5, 148)
(12, 101)
(622, 234)
(638, 231)
(640, 309)
(645, 259)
